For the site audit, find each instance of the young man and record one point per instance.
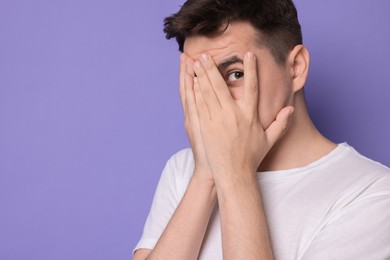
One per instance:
(260, 181)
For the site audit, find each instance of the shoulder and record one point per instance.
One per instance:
(367, 176)
(180, 168)
(182, 162)
(354, 162)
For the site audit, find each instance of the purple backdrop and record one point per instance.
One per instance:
(90, 112)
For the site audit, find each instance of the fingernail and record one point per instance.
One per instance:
(197, 65)
(250, 55)
(196, 80)
(204, 57)
(291, 111)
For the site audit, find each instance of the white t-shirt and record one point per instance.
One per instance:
(335, 208)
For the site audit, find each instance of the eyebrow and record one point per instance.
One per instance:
(229, 61)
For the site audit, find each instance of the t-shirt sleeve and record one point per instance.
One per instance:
(167, 197)
(359, 231)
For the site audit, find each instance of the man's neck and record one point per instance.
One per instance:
(300, 146)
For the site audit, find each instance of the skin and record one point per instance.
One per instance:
(240, 117)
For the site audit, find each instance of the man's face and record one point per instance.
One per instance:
(228, 52)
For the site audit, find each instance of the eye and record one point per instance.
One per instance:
(235, 75)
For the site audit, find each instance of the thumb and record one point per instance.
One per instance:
(279, 126)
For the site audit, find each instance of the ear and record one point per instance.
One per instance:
(298, 63)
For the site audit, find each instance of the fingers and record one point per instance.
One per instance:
(190, 67)
(250, 95)
(203, 109)
(183, 61)
(191, 95)
(192, 113)
(278, 127)
(216, 80)
(203, 84)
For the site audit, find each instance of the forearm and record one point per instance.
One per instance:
(243, 224)
(183, 236)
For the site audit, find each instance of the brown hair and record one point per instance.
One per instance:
(276, 21)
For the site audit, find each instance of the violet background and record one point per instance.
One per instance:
(90, 112)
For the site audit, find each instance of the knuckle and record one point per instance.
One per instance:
(252, 120)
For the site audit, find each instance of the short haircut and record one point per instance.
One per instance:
(275, 20)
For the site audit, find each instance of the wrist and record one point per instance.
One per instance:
(203, 177)
(234, 178)
(203, 172)
(204, 188)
